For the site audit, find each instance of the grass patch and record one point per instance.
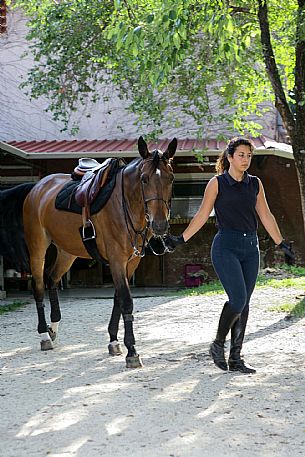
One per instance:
(211, 288)
(281, 276)
(12, 306)
(292, 269)
(292, 309)
(281, 283)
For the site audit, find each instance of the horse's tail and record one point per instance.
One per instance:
(12, 243)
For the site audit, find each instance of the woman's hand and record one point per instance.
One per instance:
(172, 241)
(289, 254)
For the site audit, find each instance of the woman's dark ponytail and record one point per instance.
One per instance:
(222, 163)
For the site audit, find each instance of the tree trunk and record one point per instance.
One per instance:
(299, 158)
(295, 125)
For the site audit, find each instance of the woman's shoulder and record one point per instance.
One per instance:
(254, 180)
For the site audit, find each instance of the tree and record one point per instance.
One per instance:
(163, 53)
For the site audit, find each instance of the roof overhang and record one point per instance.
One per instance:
(270, 148)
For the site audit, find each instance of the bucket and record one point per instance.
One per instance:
(10, 273)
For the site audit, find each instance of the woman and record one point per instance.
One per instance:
(236, 197)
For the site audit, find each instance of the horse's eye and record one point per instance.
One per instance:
(144, 178)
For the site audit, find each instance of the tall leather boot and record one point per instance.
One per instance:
(236, 363)
(226, 321)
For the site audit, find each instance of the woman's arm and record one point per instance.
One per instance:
(204, 210)
(266, 217)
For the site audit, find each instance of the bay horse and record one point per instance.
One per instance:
(137, 209)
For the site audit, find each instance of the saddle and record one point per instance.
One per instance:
(94, 177)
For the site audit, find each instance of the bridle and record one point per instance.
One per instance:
(142, 233)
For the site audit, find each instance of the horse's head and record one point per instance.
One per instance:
(156, 182)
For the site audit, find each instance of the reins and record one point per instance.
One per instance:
(142, 233)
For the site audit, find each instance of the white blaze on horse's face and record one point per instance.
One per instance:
(157, 193)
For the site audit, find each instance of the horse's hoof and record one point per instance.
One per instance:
(134, 362)
(115, 348)
(46, 345)
(52, 334)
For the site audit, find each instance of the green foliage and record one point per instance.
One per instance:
(293, 309)
(298, 282)
(211, 288)
(285, 276)
(12, 306)
(160, 54)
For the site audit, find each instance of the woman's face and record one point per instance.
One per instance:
(241, 158)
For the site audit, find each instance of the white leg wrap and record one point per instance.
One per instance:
(54, 326)
(44, 336)
(114, 343)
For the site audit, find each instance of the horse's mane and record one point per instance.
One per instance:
(156, 157)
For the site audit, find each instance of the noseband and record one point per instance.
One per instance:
(142, 233)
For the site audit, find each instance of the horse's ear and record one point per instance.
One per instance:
(171, 149)
(142, 147)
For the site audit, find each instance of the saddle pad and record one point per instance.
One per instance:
(65, 199)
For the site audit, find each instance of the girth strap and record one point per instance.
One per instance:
(91, 246)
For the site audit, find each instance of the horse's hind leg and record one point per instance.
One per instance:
(37, 267)
(54, 274)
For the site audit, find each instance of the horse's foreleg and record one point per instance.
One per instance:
(114, 346)
(125, 303)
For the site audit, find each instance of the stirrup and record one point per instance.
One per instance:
(88, 227)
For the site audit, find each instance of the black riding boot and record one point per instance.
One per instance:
(227, 319)
(237, 338)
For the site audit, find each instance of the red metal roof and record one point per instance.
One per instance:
(125, 145)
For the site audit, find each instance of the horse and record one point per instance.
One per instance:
(137, 210)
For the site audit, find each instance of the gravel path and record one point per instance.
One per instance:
(76, 401)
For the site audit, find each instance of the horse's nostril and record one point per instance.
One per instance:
(160, 228)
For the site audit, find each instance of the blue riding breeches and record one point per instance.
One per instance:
(235, 257)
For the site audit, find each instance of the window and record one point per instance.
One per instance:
(189, 188)
(187, 196)
(3, 23)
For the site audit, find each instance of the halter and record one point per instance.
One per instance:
(142, 232)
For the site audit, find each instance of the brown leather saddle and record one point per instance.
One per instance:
(95, 176)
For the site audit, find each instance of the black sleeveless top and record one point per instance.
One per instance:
(235, 203)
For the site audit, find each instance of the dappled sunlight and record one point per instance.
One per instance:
(28, 368)
(60, 421)
(118, 424)
(172, 327)
(177, 391)
(71, 448)
(71, 347)
(16, 351)
(212, 407)
(184, 439)
(50, 380)
(94, 389)
(78, 401)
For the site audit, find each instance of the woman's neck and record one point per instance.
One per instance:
(237, 175)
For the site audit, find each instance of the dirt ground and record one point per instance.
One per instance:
(76, 401)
